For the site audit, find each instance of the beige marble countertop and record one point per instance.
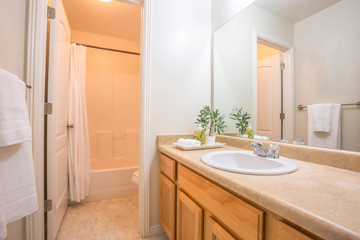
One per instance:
(321, 199)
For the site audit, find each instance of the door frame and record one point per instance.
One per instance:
(289, 101)
(35, 77)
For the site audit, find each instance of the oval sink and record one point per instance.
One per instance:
(249, 163)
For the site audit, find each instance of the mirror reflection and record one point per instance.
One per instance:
(290, 65)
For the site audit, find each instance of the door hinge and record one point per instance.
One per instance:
(47, 205)
(282, 116)
(282, 66)
(48, 108)
(51, 12)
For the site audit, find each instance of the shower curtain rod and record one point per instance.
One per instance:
(108, 49)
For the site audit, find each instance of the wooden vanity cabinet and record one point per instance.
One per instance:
(195, 208)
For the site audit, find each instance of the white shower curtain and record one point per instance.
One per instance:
(79, 148)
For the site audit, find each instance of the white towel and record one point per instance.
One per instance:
(18, 196)
(324, 139)
(14, 120)
(322, 117)
(2, 222)
(17, 181)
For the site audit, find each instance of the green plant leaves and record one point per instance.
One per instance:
(211, 120)
(242, 118)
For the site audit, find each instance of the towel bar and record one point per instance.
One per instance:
(357, 104)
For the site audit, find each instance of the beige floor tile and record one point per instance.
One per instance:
(109, 219)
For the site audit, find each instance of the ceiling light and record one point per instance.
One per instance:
(105, 0)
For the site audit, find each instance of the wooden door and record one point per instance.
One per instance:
(189, 219)
(167, 206)
(269, 97)
(57, 138)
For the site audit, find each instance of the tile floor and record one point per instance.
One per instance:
(109, 219)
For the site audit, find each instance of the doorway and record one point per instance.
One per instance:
(273, 88)
(270, 92)
(112, 98)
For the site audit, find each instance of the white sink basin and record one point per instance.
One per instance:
(249, 163)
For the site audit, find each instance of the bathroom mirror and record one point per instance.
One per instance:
(276, 55)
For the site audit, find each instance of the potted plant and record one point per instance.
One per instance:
(211, 120)
(241, 118)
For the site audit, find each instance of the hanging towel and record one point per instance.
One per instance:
(2, 222)
(322, 117)
(329, 139)
(18, 196)
(14, 120)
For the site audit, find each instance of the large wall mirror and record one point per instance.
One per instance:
(276, 55)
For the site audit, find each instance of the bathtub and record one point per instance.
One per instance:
(112, 183)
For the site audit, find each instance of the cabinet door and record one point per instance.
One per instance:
(167, 206)
(189, 219)
(285, 232)
(214, 231)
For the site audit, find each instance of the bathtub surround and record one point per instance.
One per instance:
(18, 195)
(112, 183)
(112, 96)
(78, 139)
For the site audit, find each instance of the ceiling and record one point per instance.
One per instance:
(294, 10)
(114, 19)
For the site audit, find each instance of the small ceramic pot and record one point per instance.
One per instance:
(210, 140)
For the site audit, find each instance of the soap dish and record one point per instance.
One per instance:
(185, 148)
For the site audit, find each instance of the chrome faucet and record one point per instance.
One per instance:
(261, 150)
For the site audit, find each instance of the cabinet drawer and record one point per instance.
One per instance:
(285, 232)
(244, 220)
(168, 167)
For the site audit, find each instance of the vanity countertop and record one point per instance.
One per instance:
(323, 200)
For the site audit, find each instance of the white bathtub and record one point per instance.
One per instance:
(112, 183)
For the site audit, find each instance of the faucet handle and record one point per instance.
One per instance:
(256, 144)
(274, 150)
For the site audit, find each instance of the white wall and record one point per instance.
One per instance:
(224, 10)
(180, 73)
(234, 59)
(327, 66)
(13, 22)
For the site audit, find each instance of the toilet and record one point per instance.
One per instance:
(135, 177)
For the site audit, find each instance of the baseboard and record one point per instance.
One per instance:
(156, 230)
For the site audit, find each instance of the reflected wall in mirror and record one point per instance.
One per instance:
(276, 55)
